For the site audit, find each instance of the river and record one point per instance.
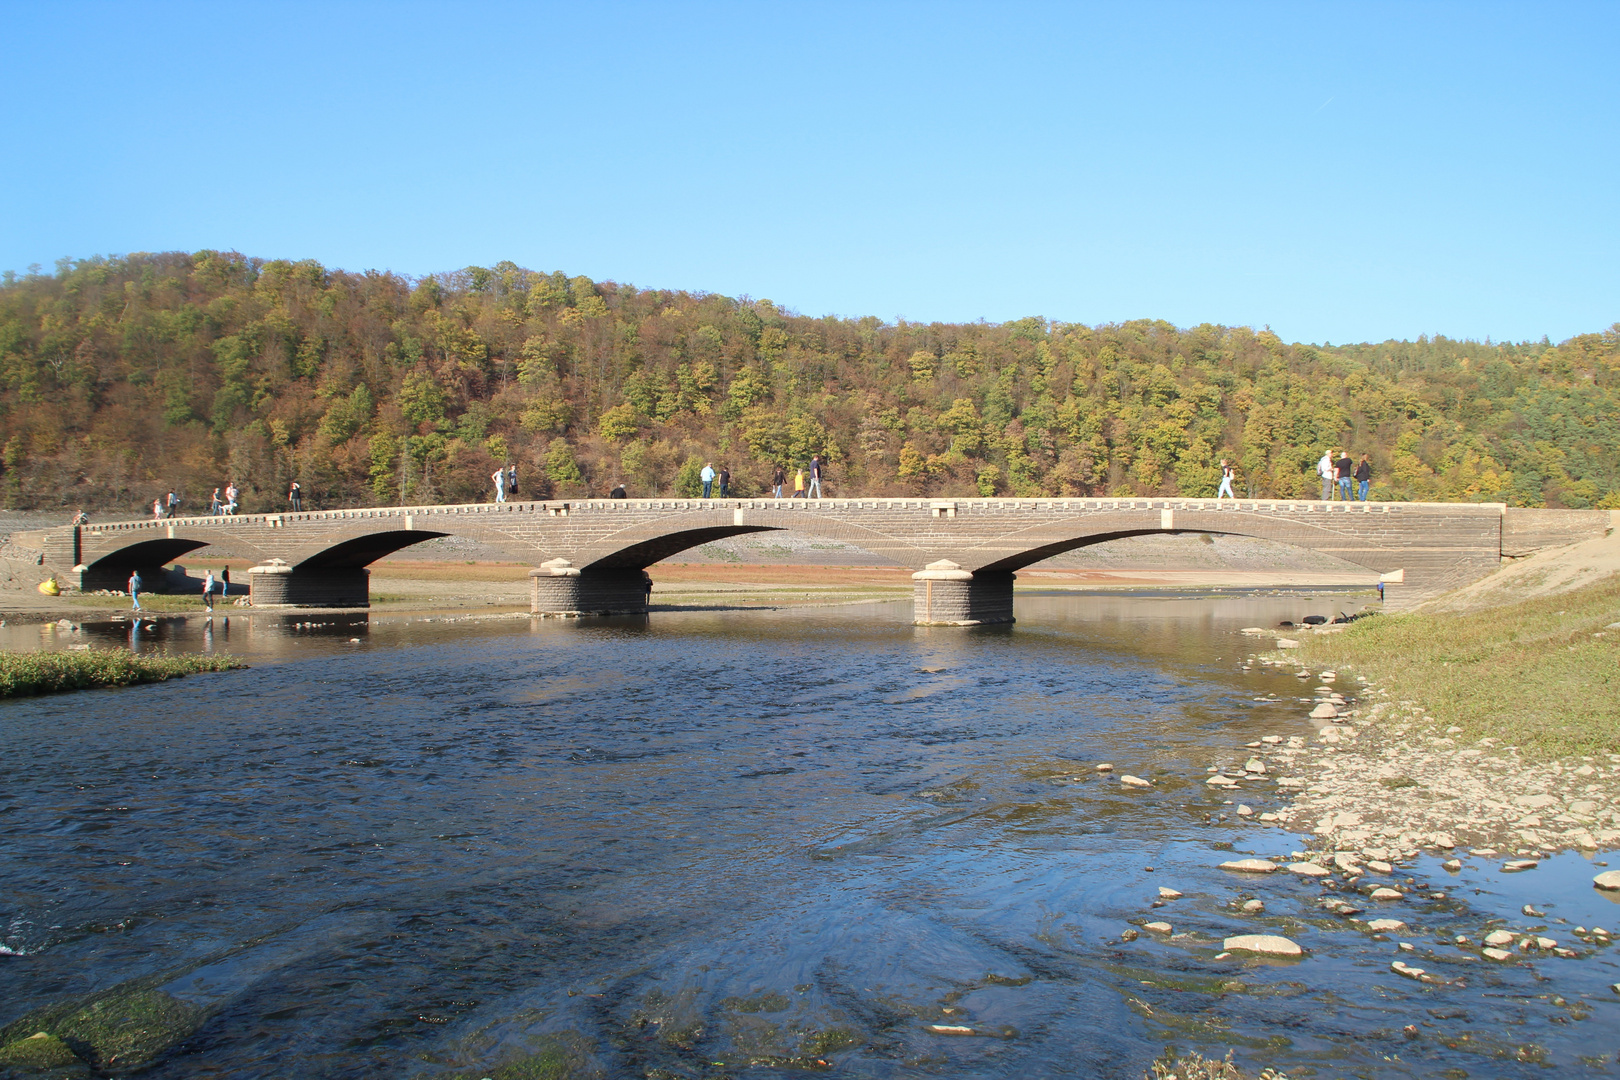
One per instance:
(724, 844)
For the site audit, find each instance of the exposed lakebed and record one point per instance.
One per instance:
(719, 844)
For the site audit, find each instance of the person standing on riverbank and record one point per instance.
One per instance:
(815, 476)
(1342, 470)
(135, 590)
(1364, 476)
(707, 476)
(208, 591)
(1324, 469)
(1227, 472)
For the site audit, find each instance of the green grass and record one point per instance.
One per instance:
(25, 674)
(155, 602)
(1541, 674)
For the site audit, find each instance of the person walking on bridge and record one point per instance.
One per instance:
(778, 478)
(1364, 476)
(798, 484)
(1227, 472)
(173, 506)
(216, 508)
(707, 476)
(725, 482)
(499, 476)
(815, 476)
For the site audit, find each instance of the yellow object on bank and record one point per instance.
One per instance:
(50, 588)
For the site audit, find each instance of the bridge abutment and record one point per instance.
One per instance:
(559, 588)
(943, 594)
(275, 584)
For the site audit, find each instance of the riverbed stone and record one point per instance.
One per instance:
(1254, 907)
(1105, 766)
(1401, 967)
(39, 1052)
(1499, 938)
(1379, 866)
(1157, 927)
(1382, 925)
(1264, 944)
(1244, 810)
(1453, 865)
(1609, 879)
(1250, 866)
(1496, 954)
(1325, 711)
(1386, 893)
(1127, 780)
(1167, 893)
(1513, 866)
(1310, 869)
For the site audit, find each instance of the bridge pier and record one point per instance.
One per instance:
(560, 588)
(943, 594)
(275, 584)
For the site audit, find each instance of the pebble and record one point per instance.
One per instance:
(1513, 866)
(1129, 934)
(1271, 740)
(1401, 967)
(1381, 925)
(1498, 937)
(950, 1029)
(1496, 954)
(1250, 866)
(1378, 866)
(1530, 910)
(1452, 864)
(1254, 907)
(1255, 766)
(1324, 711)
(1244, 810)
(1267, 944)
(1157, 927)
(1310, 869)
(1386, 893)
(1221, 781)
(1166, 893)
(1609, 879)
(1134, 781)
(1106, 766)
(1546, 943)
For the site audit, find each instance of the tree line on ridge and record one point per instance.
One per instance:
(123, 378)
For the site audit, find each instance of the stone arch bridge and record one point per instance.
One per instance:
(590, 555)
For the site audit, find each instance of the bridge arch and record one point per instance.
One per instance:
(112, 570)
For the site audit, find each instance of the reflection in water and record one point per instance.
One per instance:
(647, 846)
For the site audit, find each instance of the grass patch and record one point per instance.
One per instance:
(1541, 674)
(26, 674)
(153, 602)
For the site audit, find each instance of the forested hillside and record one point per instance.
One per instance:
(123, 378)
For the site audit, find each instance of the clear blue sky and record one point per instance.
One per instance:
(1339, 172)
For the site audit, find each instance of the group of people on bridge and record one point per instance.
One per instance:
(1337, 471)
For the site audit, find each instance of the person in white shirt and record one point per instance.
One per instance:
(1227, 472)
(499, 476)
(1324, 469)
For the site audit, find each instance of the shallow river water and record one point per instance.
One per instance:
(728, 844)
